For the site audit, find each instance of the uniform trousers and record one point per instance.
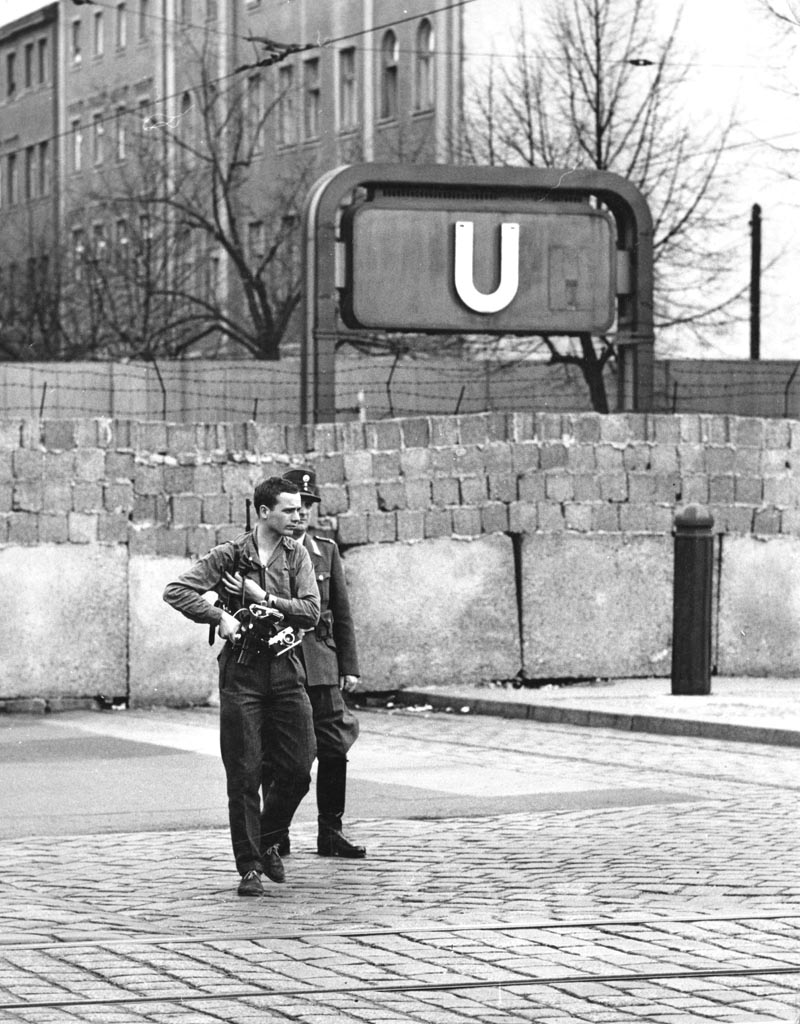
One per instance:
(335, 725)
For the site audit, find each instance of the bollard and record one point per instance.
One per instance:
(691, 605)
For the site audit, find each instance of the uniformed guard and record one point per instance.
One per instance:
(331, 662)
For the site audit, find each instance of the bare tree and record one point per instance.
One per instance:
(32, 321)
(598, 88)
(199, 245)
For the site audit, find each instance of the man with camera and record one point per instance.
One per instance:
(268, 591)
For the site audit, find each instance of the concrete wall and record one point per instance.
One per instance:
(596, 605)
(477, 546)
(759, 614)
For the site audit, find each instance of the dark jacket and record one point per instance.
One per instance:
(329, 651)
(289, 578)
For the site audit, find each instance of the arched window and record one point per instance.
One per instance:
(424, 88)
(389, 61)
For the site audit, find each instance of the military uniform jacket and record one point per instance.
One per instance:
(329, 651)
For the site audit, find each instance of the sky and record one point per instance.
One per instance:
(738, 56)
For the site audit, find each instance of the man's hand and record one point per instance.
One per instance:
(347, 684)
(228, 626)
(233, 584)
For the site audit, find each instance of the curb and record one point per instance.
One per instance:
(550, 715)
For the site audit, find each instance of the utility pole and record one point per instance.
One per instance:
(755, 282)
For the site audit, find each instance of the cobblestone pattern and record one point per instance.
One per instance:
(175, 489)
(711, 885)
(578, 968)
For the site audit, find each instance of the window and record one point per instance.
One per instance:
(11, 179)
(98, 34)
(43, 76)
(29, 65)
(213, 275)
(255, 240)
(77, 144)
(286, 106)
(254, 113)
(311, 99)
(121, 235)
(98, 241)
(423, 71)
(185, 135)
(348, 96)
(75, 42)
(119, 134)
(211, 10)
(389, 60)
(144, 20)
(98, 132)
(30, 173)
(78, 249)
(185, 10)
(144, 117)
(121, 34)
(44, 168)
(11, 75)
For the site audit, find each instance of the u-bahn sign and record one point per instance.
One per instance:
(416, 266)
(430, 249)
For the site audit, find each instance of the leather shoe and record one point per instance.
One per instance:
(251, 885)
(273, 865)
(331, 843)
(284, 846)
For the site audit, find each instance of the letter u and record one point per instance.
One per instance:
(483, 302)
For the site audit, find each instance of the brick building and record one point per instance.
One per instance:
(29, 193)
(104, 102)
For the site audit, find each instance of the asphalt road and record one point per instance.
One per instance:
(91, 772)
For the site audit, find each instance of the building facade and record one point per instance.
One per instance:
(155, 154)
(29, 188)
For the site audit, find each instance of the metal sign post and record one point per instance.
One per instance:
(442, 249)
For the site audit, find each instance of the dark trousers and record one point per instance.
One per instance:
(336, 730)
(335, 725)
(265, 716)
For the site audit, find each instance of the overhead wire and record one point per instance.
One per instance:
(290, 49)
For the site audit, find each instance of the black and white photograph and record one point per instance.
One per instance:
(399, 511)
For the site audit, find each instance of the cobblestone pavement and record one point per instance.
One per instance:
(670, 893)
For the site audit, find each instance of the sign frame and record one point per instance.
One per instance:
(324, 265)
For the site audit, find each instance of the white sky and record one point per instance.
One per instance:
(737, 58)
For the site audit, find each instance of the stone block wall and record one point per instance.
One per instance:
(573, 514)
(176, 489)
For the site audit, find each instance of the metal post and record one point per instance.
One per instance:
(755, 283)
(691, 608)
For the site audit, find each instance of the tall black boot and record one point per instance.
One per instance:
(331, 789)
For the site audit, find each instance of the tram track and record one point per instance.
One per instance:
(505, 979)
(407, 988)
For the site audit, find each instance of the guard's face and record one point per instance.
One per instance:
(306, 515)
(285, 516)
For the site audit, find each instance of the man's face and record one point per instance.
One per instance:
(285, 516)
(306, 515)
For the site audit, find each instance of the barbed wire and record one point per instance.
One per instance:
(244, 390)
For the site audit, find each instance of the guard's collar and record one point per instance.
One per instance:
(311, 544)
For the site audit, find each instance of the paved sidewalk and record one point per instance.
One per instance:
(751, 710)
